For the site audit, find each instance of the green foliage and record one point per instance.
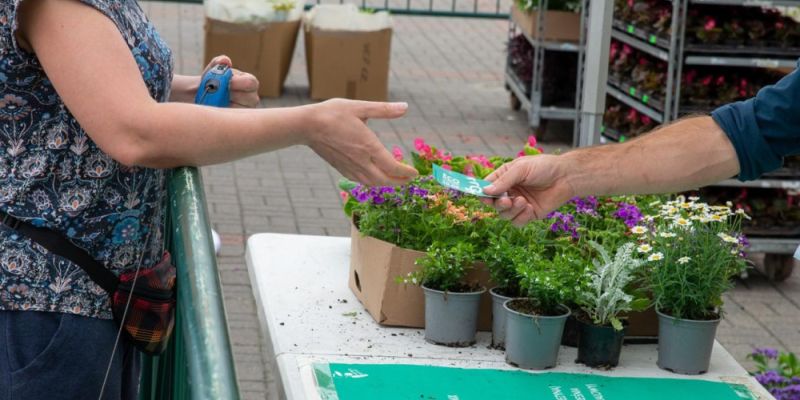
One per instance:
(502, 253)
(694, 251)
(444, 267)
(608, 293)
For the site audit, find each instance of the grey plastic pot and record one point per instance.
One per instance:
(532, 342)
(684, 346)
(451, 319)
(498, 319)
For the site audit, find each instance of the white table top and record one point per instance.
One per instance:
(308, 314)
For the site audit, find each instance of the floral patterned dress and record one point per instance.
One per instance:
(52, 174)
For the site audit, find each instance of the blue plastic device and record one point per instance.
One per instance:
(214, 88)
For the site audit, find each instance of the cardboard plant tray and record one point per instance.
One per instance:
(561, 26)
(374, 267)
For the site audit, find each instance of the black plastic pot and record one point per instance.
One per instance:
(599, 346)
(572, 331)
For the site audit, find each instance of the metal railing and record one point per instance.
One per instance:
(442, 8)
(198, 363)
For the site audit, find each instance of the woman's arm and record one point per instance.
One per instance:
(92, 69)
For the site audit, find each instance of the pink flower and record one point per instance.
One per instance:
(397, 152)
(343, 195)
(482, 161)
(444, 156)
(646, 120)
(521, 154)
(711, 23)
(447, 167)
(532, 141)
(468, 170)
(424, 149)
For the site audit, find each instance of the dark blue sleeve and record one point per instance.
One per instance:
(764, 129)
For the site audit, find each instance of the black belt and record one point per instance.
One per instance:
(57, 244)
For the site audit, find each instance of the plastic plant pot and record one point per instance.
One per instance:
(684, 346)
(451, 318)
(599, 346)
(572, 331)
(533, 341)
(498, 319)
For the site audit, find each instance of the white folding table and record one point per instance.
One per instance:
(309, 315)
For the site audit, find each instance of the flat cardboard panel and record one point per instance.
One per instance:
(558, 25)
(374, 267)
(352, 65)
(265, 51)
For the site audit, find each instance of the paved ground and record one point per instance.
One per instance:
(450, 71)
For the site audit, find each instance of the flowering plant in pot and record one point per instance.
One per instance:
(500, 256)
(609, 295)
(451, 304)
(535, 322)
(694, 251)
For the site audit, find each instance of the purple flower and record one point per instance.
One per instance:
(587, 205)
(377, 195)
(766, 352)
(360, 194)
(564, 223)
(770, 377)
(416, 191)
(629, 214)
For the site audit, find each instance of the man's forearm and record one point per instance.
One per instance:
(684, 155)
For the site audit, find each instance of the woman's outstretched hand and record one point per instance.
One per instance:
(534, 186)
(340, 136)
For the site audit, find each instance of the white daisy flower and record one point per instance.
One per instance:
(683, 222)
(693, 198)
(684, 260)
(639, 230)
(667, 235)
(644, 248)
(655, 257)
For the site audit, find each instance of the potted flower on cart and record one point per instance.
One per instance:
(451, 303)
(694, 251)
(609, 295)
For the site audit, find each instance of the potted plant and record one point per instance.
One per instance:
(499, 257)
(535, 323)
(778, 372)
(694, 250)
(451, 304)
(607, 297)
(282, 8)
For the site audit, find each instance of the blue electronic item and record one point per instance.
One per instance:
(214, 88)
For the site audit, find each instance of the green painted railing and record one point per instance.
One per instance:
(198, 363)
(441, 8)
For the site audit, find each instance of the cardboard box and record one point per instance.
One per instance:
(558, 25)
(374, 267)
(353, 65)
(264, 50)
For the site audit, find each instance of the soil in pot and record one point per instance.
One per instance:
(533, 339)
(451, 318)
(499, 297)
(685, 346)
(599, 346)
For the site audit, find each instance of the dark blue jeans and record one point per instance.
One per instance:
(54, 356)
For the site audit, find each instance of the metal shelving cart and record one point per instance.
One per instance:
(674, 51)
(530, 97)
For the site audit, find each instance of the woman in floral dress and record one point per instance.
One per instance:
(91, 115)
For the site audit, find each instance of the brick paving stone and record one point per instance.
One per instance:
(450, 71)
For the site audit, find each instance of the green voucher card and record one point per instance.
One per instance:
(460, 182)
(397, 381)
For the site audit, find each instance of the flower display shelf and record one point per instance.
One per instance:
(652, 100)
(533, 97)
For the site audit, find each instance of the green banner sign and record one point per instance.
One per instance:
(397, 381)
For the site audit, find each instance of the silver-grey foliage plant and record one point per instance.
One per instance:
(606, 297)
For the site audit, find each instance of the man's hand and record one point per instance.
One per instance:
(535, 186)
(340, 135)
(243, 88)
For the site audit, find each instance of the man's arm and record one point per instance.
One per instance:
(684, 155)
